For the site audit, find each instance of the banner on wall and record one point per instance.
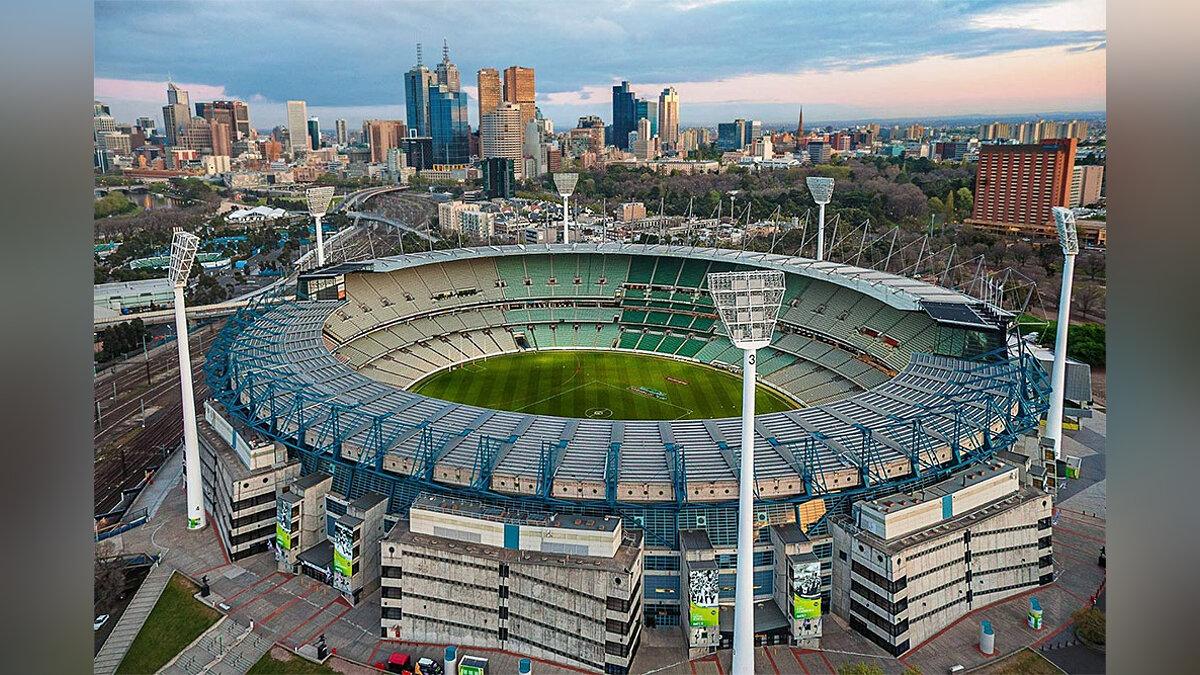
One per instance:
(806, 590)
(704, 588)
(343, 554)
(283, 525)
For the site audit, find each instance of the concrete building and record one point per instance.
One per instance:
(297, 125)
(490, 92)
(323, 535)
(564, 588)
(819, 152)
(341, 135)
(905, 566)
(646, 145)
(477, 224)
(134, 296)
(500, 132)
(1085, 184)
(631, 211)
(383, 135)
(1017, 185)
(242, 474)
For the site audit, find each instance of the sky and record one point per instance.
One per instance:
(755, 59)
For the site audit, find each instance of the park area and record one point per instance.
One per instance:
(176, 620)
(598, 385)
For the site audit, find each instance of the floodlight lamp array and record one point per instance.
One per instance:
(748, 303)
(565, 183)
(1068, 235)
(821, 188)
(318, 199)
(183, 252)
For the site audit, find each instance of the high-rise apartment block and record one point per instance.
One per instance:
(175, 113)
(668, 117)
(1085, 184)
(1016, 186)
(520, 88)
(340, 133)
(297, 125)
(500, 132)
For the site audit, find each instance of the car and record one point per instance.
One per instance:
(427, 666)
(99, 622)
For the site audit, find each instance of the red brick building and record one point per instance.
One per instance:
(1017, 185)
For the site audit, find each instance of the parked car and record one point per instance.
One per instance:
(427, 666)
(99, 622)
(399, 662)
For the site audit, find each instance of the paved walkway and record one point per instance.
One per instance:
(131, 621)
(227, 648)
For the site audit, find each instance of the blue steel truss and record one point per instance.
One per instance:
(999, 399)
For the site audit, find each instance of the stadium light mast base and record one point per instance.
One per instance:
(183, 252)
(1068, 238)
(748, 303)
(565, 184)
(318, 199)
(821, 189)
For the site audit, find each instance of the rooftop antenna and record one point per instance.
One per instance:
(419, 64)
(445, 51)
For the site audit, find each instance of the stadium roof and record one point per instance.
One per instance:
(897, 291)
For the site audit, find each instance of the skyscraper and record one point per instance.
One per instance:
(751, 130)
(448, 125)
(668, 117)
(382, 135)
(416, 95)
(341, 135)
(491, 92)
(500, 132)
(175, 113)
(519, 88)
(624, 116)
(648, 110)
(297, 125)
(314, 133)
(1016, 186)
(447, 72)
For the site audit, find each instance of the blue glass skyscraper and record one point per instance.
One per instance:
(624, 115)
(649, 110)
(416, 95)
(448, 125)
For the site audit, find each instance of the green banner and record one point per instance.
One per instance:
(282, 537)
(343, 548)
(702, 616)
(806, 608)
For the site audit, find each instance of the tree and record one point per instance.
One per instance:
(1090, 624)
(1086, 297)
(1092, 264)
(951, 209)
(109, 579)
(1021, 252)
(965, 201)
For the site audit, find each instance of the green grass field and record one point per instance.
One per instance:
(176, 620)
(597, 385)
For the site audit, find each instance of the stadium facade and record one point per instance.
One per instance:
(904, 383)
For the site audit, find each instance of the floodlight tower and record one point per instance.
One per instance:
(1068, 238)
(183, 253)
(318, 203)
(821, 190)
(748, 303)
(565, 183)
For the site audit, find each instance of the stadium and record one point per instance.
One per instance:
(495, 373)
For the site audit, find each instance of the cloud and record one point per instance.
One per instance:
(152, 91)
(1066, 15)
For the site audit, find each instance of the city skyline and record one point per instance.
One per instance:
(976, 58)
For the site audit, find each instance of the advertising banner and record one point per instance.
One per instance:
(703, 587)
(806, 591)
(283, 525)
(343, 548)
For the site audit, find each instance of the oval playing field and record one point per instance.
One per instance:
(597, 385)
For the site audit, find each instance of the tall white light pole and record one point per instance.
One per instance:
(1068, 238)
(748, 303)
(822, 191)
(183, 253)
(565, 183)
(318, 203)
